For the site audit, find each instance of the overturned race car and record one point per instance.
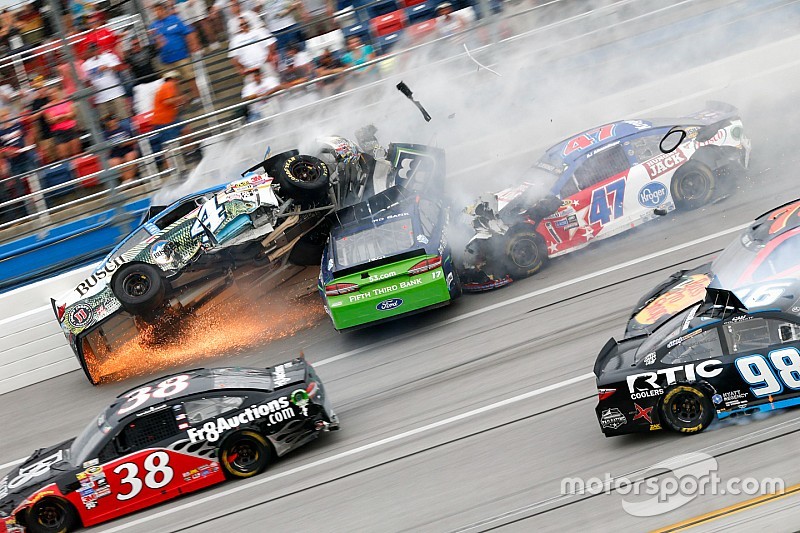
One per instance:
(600, 183)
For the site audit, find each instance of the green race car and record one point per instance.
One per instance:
(387, 257)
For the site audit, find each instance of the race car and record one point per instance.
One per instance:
(715, 359)
(173, 435)
(600, 183)
(387, 257)
(758, 266)
(186, 253)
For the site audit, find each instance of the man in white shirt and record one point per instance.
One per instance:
(233, 10)
(252, 48)
(257, 86)
(102, 69)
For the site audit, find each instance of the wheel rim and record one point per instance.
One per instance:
(136, 285)
(694, 185)
(50, 516)
(304, 171)
(524, 253)
(244, 456)
(687, 408)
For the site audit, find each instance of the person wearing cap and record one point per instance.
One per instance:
(166, 108)
(103, 70)
(99, 35)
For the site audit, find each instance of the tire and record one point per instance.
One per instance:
(244, 454)
(524, 253)
(303, 178)
(52, 515)
(687, 409)
(693, 185)
(139, 287)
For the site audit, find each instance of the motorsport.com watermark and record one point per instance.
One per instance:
(672, 483)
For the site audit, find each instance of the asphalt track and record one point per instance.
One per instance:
(468, 418)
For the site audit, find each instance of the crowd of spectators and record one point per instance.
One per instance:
(41, 121)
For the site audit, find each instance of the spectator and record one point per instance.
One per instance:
(78, 9)
(10, 32)
(63, 124)
(258, 86)
(103, 69)
(166, 106)
(297, 67)
(15, 144)
(175, 41)
(119, 133)
(99, 35)
(358, 53)
(140, 60)
(252, 48)
(194, 13)
(41, 129)
(328, 64)
(447, 24)
(236, 12)
(282, 14)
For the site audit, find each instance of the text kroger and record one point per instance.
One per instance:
(275, 412)
(653, 194)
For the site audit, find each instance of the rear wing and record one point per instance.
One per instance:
(715, 111)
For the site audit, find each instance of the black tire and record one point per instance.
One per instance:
(52, 515)
(139, 287)
(524, 253)
(244, 454)
(303, 178)
(687, 409)
(693, 185)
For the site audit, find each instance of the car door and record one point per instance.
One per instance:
(593, 199)
(765, 355)
(651, 172)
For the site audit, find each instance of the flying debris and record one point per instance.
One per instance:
(403, 88)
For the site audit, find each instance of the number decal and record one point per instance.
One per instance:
(758, 373)
(437, 274)
(158, 475)
(33, 471)
(166, 388)
(129, 479)
(601, 210)
(763, 295)
(211, 215)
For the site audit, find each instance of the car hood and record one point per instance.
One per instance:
(33, 473)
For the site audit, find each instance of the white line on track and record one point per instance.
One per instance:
(532, 294)
(354, 451)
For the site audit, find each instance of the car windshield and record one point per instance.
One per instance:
(140, 235)
(543, 179)
(670, 328)
(736, 265)
(374, 242)
(88, 440)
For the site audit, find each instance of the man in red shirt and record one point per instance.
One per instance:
(105, 39)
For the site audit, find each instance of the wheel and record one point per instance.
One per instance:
(244, 454)
(52, 515)
(687, 409)
(303, 178)
(693, 185)
(139, 287)
(524, 253)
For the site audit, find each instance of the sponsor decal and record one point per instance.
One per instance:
(39, 495)
(612, 418)
(279, 378)
(655, 427)
(30, 472)
(391, 303)
(679, 297)
(740, 318)
(643, 412)
(270, 413)
(653, 194)
(683, 338)
(646, 394)
(664, 163)
(717, 399)
(101, 273)
(734, 398)
(201, 471)
(650, 358)
(718, 138)
(80, 316)
(163, 252)
(330, 264)
(422, 239)
(385, 275)
(450, 280)
(691, 371)
(385, 290)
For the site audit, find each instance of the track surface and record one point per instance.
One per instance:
(425, 445)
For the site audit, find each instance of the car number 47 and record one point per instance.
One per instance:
(158, 474)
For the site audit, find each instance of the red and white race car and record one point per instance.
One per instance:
(600, 183)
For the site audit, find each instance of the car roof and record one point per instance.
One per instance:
(200, 380)
(566, 152)
(376, 210)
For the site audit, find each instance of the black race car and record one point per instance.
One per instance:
(759, 265)
(714, 359)
(173, 435)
